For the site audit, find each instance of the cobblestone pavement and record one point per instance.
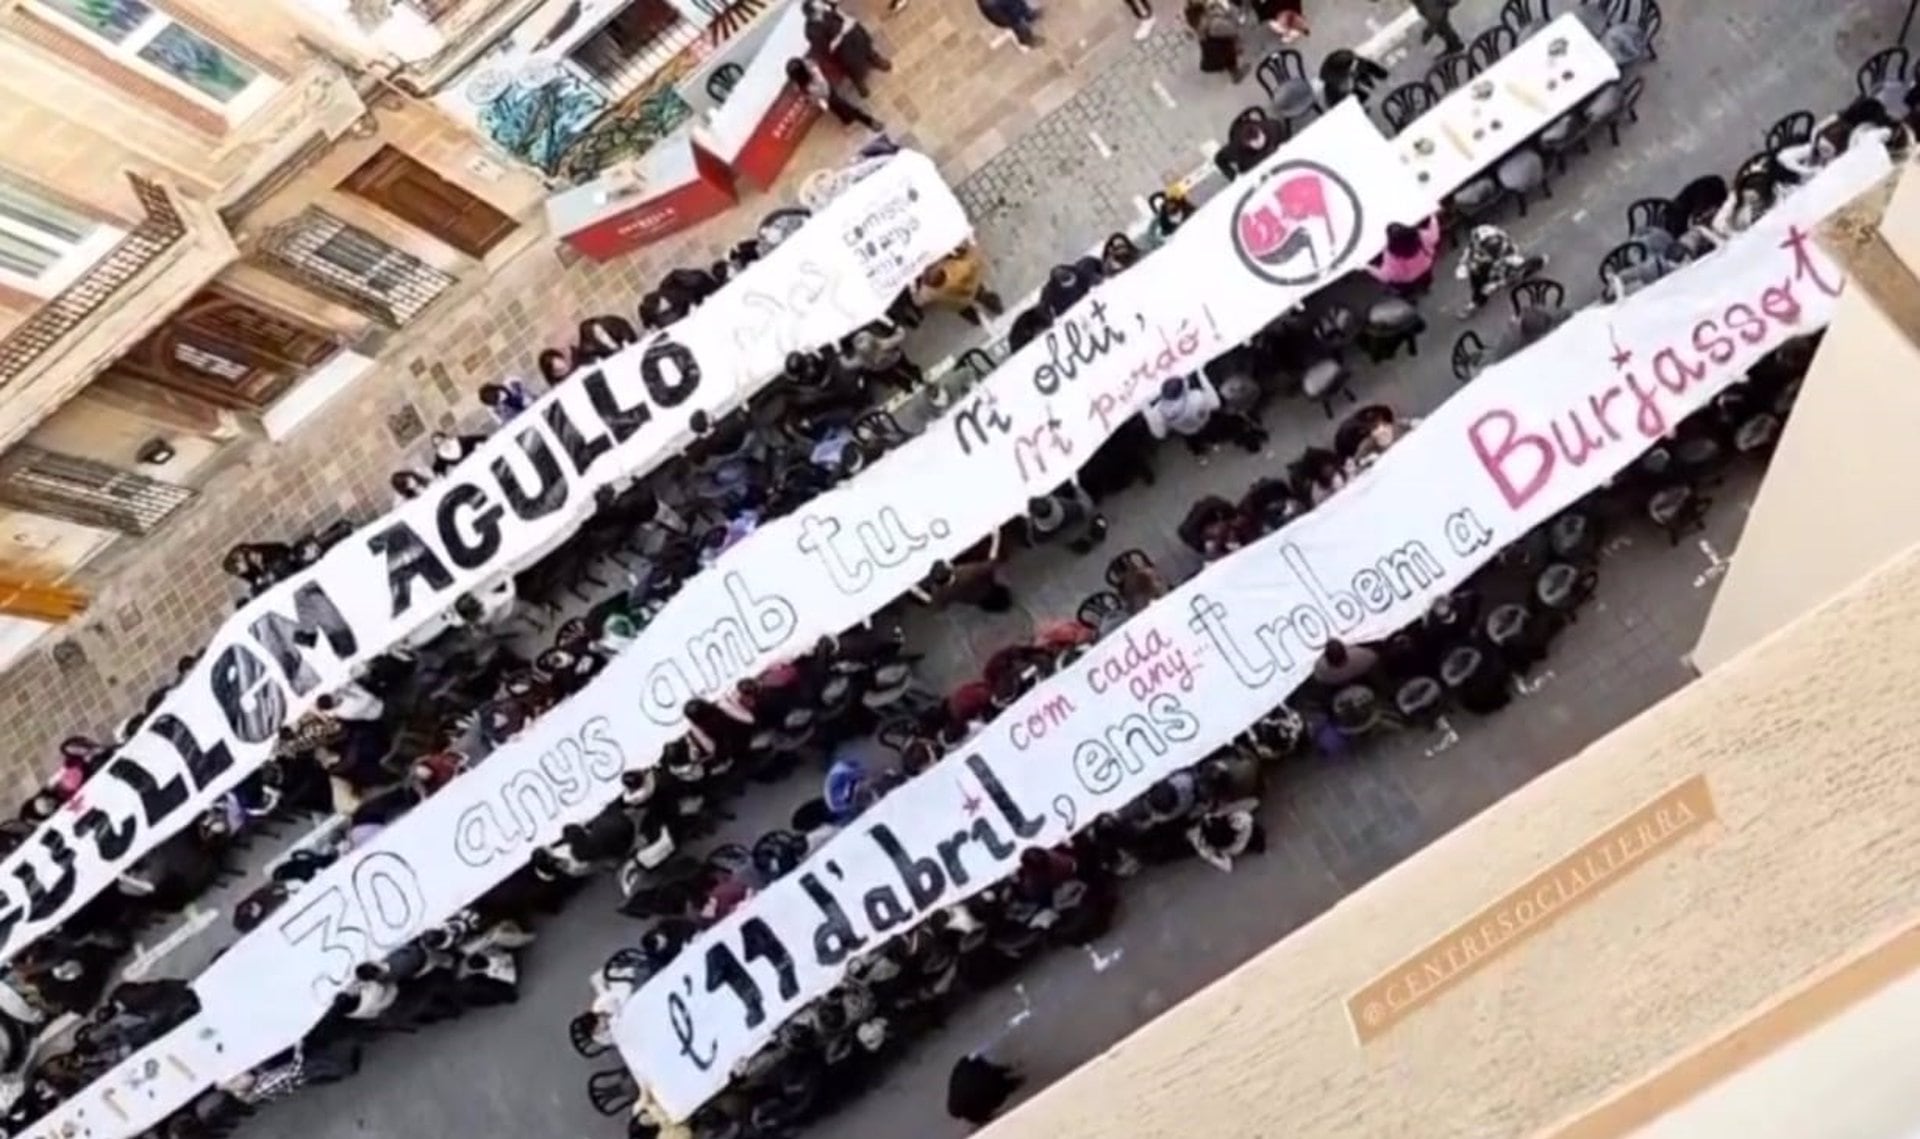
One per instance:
(1726, 72)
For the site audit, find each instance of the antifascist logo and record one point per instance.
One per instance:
(1297, 224)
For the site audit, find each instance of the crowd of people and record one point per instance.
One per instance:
(1710, 210)
(416, 717)
(1471, 654)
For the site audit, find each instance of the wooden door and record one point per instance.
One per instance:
(396, 183)
(224, 350)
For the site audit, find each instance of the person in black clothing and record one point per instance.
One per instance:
(659, 308)
(720, 731)
(604, 839)
(1119, 253)
(565, 671)
(1067, 284)
(602, 337)
(554, 366)
(1249, 142)
(978, 1088)
(1438, 15)
(832, 34)
(1487, 687)
(407, 485)
(260, 564)
(688, 288)
(1027, 327)
(450, 450)
(1218, 32)
(1345, 73)
(812, 82)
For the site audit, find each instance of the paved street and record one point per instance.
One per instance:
(1726, 72)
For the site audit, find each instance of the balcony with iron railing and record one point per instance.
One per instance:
(160, 230)
(173, 251)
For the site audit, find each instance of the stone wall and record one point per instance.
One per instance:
(1803, 743)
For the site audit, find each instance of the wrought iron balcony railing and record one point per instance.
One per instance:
(160, 230)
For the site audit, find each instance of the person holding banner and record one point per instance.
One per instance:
(505, 400)
(1068, 284)
(449, 451)
(1117, 254)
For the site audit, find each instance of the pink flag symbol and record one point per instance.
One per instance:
(1274, 237)
(1302, 198)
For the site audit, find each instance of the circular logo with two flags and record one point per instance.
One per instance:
(1297, 223)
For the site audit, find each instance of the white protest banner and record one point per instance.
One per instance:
(523, 491)
(1314, 211)
(1528, 438)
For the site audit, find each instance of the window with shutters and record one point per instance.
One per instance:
(352, 266)
(44, 245)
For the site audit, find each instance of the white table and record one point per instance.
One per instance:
(1544, 77)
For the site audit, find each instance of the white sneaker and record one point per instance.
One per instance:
(1144, 30)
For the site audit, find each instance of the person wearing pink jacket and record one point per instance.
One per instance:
(1406, 264)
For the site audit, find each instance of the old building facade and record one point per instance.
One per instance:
(212, 222)
(321, 449)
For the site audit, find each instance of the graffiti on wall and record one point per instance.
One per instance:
(536, 115)
(629, 131)
(550, 116)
